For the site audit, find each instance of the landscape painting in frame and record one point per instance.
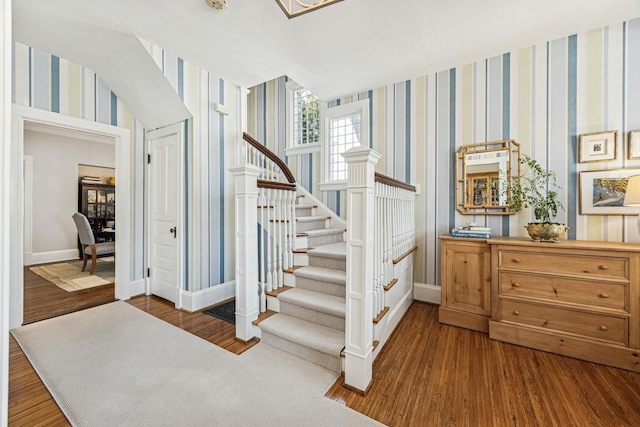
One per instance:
(602, 192)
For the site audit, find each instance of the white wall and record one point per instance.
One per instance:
(55, 185)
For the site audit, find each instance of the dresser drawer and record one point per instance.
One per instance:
(562, 263)
(562, 289)
(592, 325)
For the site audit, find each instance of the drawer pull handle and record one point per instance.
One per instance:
(603, 267)
(604, 328)
(515, 285)
(516, 260)
(604, 295)
(517, 313)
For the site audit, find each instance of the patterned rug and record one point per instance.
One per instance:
(226, 312)
(68, 275)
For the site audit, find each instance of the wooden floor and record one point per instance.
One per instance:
(427, 375)
(43, 299)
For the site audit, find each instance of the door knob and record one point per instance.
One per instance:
(173, 230)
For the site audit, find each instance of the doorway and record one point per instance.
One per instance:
(26, 116)
(59, 163)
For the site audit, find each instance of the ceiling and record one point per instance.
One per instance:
(345, 48)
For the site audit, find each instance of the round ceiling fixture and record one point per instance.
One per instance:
(218, 5)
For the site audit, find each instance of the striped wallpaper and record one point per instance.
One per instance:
(47, 82)
(50, 83)
(210, 152)
(543, 96)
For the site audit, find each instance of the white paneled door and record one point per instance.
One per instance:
(165, 231)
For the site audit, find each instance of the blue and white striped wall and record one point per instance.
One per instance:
(543, 96)
(211, 149)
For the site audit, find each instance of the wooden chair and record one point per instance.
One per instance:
(88, 242)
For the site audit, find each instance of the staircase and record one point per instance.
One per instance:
(310, 318)
(293, 252)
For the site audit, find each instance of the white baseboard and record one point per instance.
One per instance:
(426, 293)
(51, 256)
(137, 287)
(196, 301)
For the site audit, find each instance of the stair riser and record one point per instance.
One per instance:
(336, 264)
(301, 259)
(305, 211)
(324, 319)
(330, 362)
(322, 287)
(301, 227)
(323, 240)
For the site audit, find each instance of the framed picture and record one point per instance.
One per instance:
(597, 147)
(634, 145)
(602, 192)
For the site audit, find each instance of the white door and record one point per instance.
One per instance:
(165, 231)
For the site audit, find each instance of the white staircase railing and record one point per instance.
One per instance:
(265, 229)
(395, 231)
(380, 230)
(277, 222)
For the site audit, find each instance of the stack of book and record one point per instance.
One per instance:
(91, 180)
(473, 231)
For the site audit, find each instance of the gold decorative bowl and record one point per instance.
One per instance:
(546, 231)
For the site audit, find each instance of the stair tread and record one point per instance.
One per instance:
(311, 218)
(317, 301)
(322, 232)
(317, 337)
(336, 250)
(322, 274)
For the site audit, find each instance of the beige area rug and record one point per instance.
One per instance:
(115, 365)
(68, 275)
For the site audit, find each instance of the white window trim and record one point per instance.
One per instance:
(295, 150)
(359, 107)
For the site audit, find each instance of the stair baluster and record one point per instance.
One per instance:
(280, 222)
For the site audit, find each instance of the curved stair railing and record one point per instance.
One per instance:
(276, 216)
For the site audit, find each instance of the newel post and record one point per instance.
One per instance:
(246, 196)
(361, 163)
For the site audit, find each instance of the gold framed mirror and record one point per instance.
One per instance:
(480, 173)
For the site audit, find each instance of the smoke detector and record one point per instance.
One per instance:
(218, 5)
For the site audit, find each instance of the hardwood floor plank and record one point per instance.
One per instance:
(427, 374)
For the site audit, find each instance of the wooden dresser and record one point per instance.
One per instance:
(576, 298)
(465, 283)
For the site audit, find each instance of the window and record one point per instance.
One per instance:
(345, 126)
(303, 113)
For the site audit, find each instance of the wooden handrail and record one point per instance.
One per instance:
(384, 179)
(271, 156)
(276, 185)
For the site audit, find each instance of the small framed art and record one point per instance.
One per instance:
(602, 192)
(634, 145)
(597, 147)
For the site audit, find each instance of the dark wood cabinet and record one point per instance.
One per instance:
(98, 203)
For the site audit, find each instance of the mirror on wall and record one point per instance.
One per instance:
(480, 173)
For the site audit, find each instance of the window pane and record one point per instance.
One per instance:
(306, 117)
(344, 134)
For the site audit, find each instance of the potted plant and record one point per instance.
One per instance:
(537, 188)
